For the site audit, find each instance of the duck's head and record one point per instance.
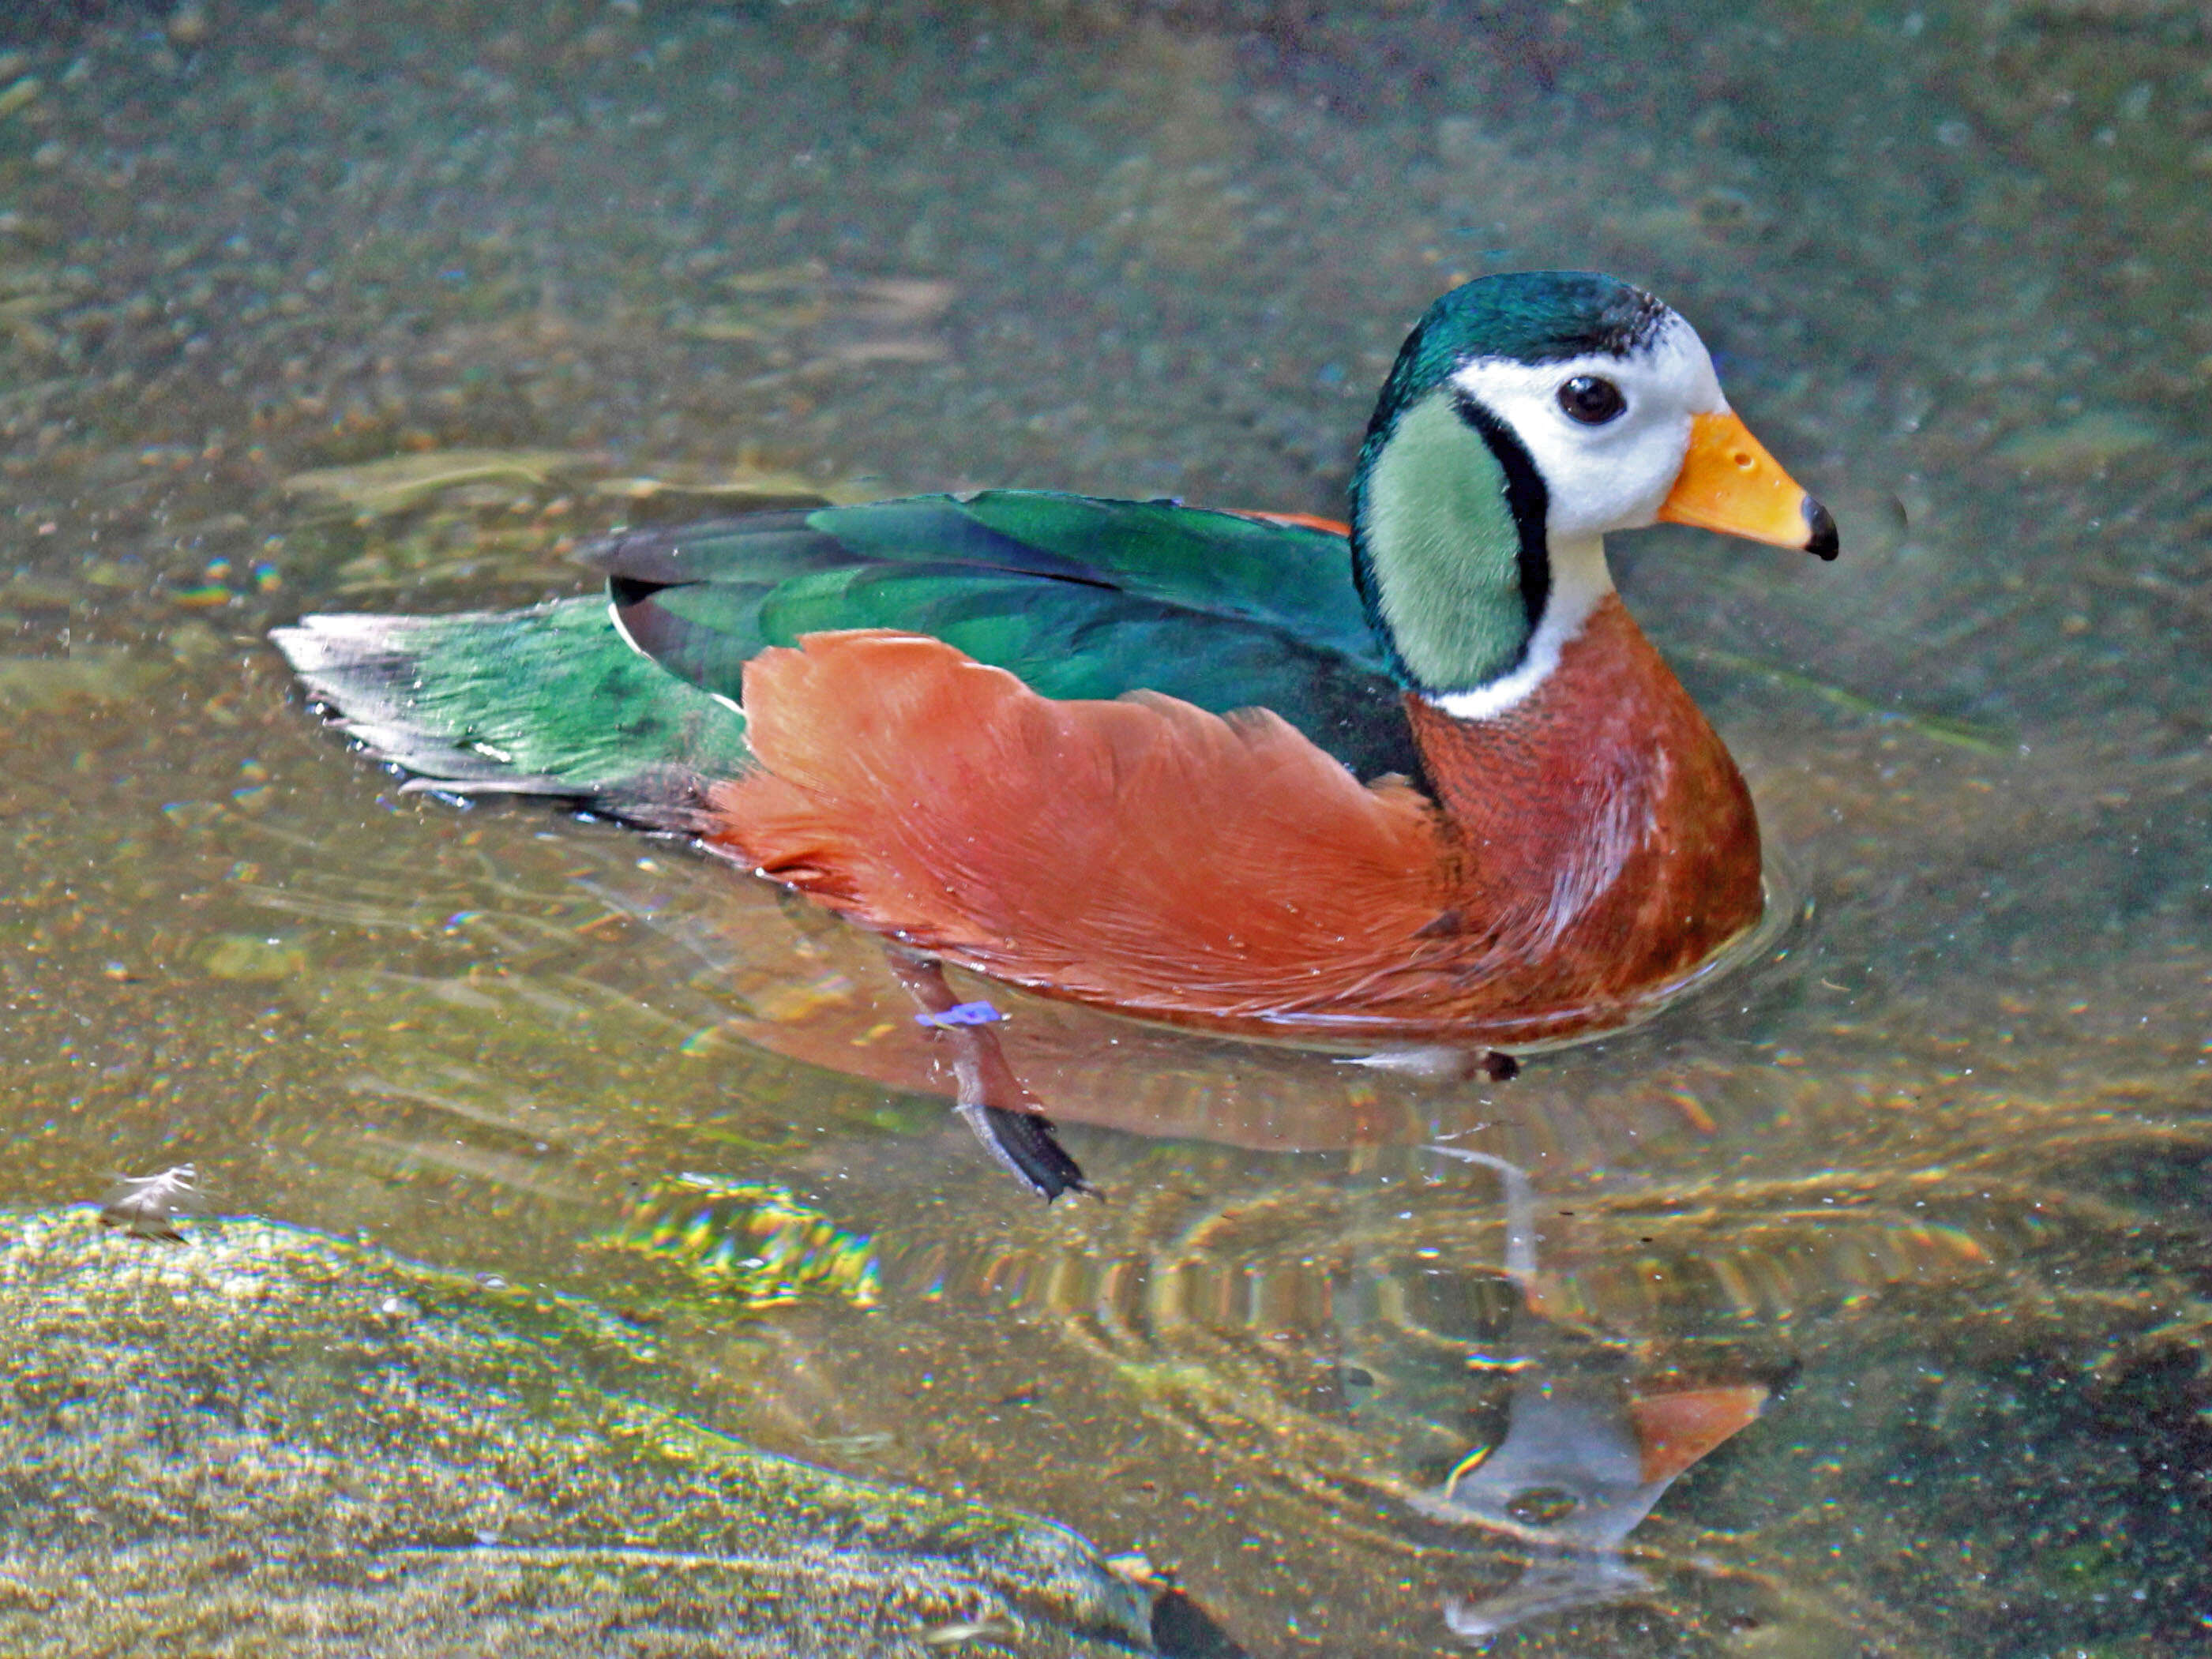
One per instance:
(1527, 414)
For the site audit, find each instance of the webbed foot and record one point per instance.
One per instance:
(1025, 1143)
(1005, 1116)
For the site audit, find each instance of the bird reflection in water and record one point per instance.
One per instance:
(1591, 1445)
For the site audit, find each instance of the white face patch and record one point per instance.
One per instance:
(1613, 476)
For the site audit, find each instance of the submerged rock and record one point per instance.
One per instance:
(277, 1441)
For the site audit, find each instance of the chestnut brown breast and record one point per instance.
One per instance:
(1147, 856)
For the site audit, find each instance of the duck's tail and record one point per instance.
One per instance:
(550, 700)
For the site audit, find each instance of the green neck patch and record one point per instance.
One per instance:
(1448, 544)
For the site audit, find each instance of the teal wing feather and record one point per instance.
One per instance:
(548, 701)
(1080, 597)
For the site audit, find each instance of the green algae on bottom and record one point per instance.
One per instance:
(279, 1441)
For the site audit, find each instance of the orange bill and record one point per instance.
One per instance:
(1728, 482)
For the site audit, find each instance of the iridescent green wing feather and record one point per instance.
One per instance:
(1079, 598)
(548, 701)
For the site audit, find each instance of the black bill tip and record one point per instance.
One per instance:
(1821, 525)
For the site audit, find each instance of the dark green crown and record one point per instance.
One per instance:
(1528, 316)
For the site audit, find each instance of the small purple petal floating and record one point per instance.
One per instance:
(965, 1013)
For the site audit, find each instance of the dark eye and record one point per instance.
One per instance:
(1591, 400)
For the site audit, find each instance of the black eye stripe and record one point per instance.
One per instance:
(1591, 399)
(1525, 496)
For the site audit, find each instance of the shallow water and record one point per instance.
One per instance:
(1932, 1171)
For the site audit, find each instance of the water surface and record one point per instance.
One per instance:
(1932, 1172)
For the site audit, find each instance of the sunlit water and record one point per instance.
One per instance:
(1931, 1173)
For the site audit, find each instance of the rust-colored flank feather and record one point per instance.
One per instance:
(1585, 850)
